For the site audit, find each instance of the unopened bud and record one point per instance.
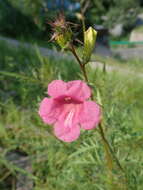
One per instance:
(79, 16)
(89, 43)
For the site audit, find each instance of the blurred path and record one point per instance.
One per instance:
(59, 55)
(43, 51)
(128, 53)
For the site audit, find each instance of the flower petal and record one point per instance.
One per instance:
(66, 134)
(90, 115)
(57, 88)
(49, 110)
(78, 90)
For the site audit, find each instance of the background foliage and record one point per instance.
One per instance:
(30, 17)
(112, 12)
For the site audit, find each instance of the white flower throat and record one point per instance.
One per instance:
(69, 118)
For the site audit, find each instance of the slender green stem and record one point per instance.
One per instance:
(82, 66)
(72, 49)
(109, 147)
(105, 141)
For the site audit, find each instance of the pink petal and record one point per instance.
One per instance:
(90, 115)
(78, 90)
(49, 110)
(66, 134)
(57, 88)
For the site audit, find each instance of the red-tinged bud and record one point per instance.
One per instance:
(62, 32)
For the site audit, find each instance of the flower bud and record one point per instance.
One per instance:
(62, 32)
(89, 43)
(79, 16)
(63, 39)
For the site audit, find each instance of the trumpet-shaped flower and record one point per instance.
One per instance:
(69, 109)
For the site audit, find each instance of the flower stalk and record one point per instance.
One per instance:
(64, 37)
(82, 66)
(110, 156)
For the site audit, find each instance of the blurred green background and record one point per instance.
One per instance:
(30, 156)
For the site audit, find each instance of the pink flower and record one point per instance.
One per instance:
(68, 109)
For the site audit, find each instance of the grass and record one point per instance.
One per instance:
(134, 65)
(138, 29)
(24, 76)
